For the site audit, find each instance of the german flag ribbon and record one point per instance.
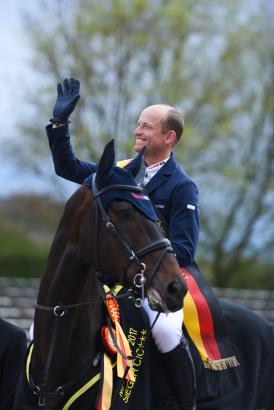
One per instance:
(204, 322)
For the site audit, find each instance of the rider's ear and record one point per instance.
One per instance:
(106, 162)
(135, 165)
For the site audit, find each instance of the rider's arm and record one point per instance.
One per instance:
(183, 223)
(66, 164)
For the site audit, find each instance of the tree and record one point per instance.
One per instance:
(212, 60)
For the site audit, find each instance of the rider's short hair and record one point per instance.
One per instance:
(174, 121)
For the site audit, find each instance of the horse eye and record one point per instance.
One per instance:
(122, 210)
(124, 213)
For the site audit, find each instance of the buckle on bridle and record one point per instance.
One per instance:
(139, 282)
(139, 302)
(59, 311)
(41, 401)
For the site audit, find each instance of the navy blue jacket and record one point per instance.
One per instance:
(172, 192)
(13, 347)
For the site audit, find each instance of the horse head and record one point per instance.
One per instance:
(129, 247)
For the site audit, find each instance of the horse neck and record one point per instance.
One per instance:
(67, 280)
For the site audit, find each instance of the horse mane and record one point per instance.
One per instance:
(59, 285)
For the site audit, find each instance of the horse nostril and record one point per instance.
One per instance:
(174, 288)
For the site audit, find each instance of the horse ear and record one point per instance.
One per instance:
(135, 165)
(106, 162)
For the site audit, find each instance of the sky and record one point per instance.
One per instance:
(15, 74)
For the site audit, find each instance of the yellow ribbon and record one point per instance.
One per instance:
(122, 362)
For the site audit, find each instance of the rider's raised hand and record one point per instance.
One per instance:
(67, 97)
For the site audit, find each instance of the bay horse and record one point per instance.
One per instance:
(108, 228)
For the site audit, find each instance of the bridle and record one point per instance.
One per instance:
(140, 277)
(142, 273)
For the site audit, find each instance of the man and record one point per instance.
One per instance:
(12, 353)
(174, 196)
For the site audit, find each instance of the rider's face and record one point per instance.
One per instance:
(149, 130)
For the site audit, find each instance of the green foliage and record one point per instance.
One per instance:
(248, 273)
(27, 226)
(36, 215)
(256, 274)
(20, 256)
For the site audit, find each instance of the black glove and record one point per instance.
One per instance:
(67, 98)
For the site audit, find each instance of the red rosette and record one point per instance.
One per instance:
(112, 308)
(107, 340)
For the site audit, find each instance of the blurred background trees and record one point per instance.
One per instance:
(214, 61)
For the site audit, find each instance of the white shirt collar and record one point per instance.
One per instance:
(153, 169)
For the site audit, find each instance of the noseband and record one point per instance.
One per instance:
(133, 256)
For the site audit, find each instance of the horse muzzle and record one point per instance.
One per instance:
(169, 299)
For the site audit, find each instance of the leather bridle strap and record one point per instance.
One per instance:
(154, 246)
(162, 243)
(132, 256)
(109, 225)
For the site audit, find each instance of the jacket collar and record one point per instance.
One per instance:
(164, 172)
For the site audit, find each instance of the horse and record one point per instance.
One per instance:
(108, 232)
